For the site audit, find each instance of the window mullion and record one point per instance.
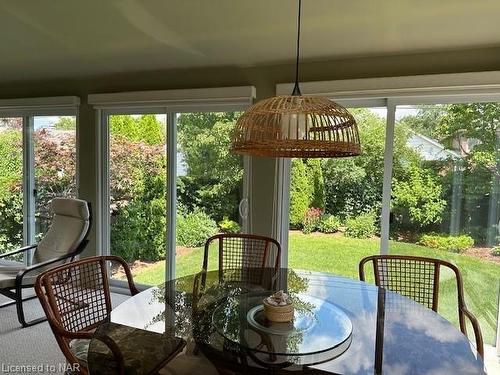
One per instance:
(104, 232)
(29, 192)
(386, 188)
(171, 209)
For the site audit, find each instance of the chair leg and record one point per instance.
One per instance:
(20, 312)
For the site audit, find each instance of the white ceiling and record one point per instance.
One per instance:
(75, 38)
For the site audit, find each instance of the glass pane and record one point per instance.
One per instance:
(11, 183)
(445, 199)
(335, 203)
(209, 185)
(54, 142)
(138, 193)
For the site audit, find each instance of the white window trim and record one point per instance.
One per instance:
(47, 106)
(454, 86)
(169, 102)
(184, 100)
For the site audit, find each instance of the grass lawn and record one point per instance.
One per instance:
(341, 255)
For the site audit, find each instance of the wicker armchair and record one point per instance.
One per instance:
(76, 299)
(418, 279)
(243, 251)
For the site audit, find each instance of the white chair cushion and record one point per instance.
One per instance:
(70, 207)
(68, 228)
(69, 225)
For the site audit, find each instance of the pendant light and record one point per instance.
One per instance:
(296, 125)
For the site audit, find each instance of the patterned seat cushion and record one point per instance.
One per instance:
(142, 350)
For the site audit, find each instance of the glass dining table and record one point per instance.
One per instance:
(340, 325)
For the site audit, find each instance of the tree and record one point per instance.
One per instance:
(214, 174)
(55, 171)
(418, 199)
(316, 183)
(471, 131)
(11, 161)
(145, 128)
(299, 193)
(66, 123)
(424, 119)
(138, 203)
(54, 176)
(354, 185)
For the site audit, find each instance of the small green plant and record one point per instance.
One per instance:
(228, 226)
(194, 228)
(362, 226)
(329, 224)
(311, 221)
(445, 242)
(496, 251)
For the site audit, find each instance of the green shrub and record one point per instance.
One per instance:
(362, 226)
(316, 183)
(329, 224)
(194, 228)
(311, 220)
(496, 251)
(228, 226)
(445, 242)
(299, 193)
(418, 200)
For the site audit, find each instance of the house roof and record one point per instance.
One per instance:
(430, 149)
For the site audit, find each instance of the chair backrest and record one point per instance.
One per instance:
(418, 278)
(413, 277)
(76, 297)
(240, 251)
(70, 226)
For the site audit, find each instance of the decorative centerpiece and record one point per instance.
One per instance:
(278, 307)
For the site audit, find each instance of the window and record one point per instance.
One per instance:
(440, 191)
(11, 183)
(445, 198)
(335, 204)
(37, 163)
(209, 185)
(158, 194)
(54, 144)
(137, 187)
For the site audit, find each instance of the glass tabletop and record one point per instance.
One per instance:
(340, 326)
(318, 329)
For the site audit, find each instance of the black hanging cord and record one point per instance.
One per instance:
(296, 89)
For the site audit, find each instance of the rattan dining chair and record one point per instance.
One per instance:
(76, 299)
(242, 251)
(418, 278)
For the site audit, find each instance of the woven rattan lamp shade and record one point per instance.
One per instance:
(296, 126)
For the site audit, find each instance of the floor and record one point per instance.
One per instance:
(36, 346)
(492, 360)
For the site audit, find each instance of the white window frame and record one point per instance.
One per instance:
(27, 109)
(169, 102)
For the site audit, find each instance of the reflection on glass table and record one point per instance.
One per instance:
(320, 331)
(371, 330)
